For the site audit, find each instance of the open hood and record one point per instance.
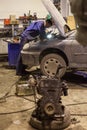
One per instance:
(56, 16)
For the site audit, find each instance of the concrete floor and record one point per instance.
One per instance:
(15, 111)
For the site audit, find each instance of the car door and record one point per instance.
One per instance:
(79, 54)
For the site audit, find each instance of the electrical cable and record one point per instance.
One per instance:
(76, 103)
(28, 99)
(38, 99)
(72, 114)
(17, 111)
(34, 95)
(5, 95)
(21, 97)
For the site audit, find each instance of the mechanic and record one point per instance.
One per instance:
(35, 29)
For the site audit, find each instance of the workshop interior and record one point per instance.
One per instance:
(43, 65)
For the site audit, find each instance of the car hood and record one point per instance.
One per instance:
(39, 46)
(56, 16)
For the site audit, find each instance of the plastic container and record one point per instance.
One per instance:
(6, 21)
(13, 52)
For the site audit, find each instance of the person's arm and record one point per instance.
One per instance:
(42, 32)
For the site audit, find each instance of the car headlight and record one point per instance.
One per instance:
(49, 36)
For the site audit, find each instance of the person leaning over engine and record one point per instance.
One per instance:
(34, 29)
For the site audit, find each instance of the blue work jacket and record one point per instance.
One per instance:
(34, 29)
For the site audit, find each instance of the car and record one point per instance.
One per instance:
(58, 54)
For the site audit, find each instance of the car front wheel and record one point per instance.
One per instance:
(53, 65)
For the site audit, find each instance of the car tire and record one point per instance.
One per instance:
(50, 63)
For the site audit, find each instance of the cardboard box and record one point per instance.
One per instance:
(71, 22)
(14, 22)
(12, 17)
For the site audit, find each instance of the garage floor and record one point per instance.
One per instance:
(15, 111)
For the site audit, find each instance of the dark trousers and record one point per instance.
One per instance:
(20, 68)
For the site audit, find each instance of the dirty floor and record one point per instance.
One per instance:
(15, 110)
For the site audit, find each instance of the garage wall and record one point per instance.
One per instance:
(65, 8)
(19, 7)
